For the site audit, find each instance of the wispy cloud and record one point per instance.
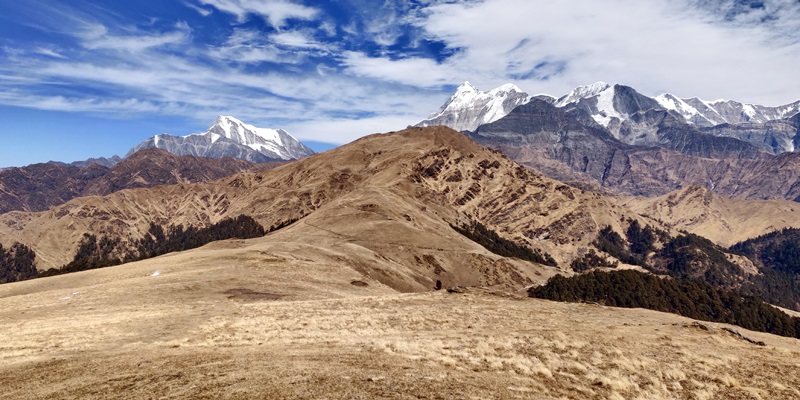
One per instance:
(276, 12)
(97, 37)
(706, 48)
(422, 72)
(200, 10)
(48, 52)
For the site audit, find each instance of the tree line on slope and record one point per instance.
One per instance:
(105, 252)
(689, 256)
(690, 298)
(17, 263)
(777, 255)
(493, 242)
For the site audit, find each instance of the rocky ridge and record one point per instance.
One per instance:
(39, 187)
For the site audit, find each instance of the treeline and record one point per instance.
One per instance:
(635, 247)
(591, 260)
(686, 256)
(779, 250)
(689, 256)
(104, 252)
(777, 254)
(17, 263)
(690, 298)
(491, 241)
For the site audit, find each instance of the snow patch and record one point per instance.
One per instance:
(748, 110)
(583, 92)
(605, 107)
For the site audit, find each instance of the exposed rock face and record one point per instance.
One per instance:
(554, 141)
(229, 137)
(469, 107)
(778, 136)
(39, 187)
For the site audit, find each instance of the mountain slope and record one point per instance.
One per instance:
(237, 321)
(388, 195)
(559, 142)
(229, 137)
(722, 220)
(469, 107)
(39, 187)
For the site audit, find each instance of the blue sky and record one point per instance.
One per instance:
(88, 78)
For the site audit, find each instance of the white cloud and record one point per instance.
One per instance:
(96, 37)
(48, 52)
(653, 46)
(295, 39)
(276, 12)
(61, 103)
(422, 72)
(200, 10)
(341, 131)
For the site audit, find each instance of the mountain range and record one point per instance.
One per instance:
(39, 187)
(611, 136)
(230, 137)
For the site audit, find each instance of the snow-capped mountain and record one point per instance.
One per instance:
(584, 92)
(469, 107)
(229, 137)
(710, 113)
(608, 105)
(633, 118)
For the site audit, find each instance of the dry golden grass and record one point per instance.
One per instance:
(722, 220)
(244, 319)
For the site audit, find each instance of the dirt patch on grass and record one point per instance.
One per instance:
(241, 294)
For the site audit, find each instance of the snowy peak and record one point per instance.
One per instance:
(470, 107)
(504, 89)
(711, 113)
(248, 135)
(583, 92)
(465, 87)
(230, 137)
(630, 116)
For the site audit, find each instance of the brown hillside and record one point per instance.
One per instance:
(394, 195)
(317, 309)
(241, 320)
(722, 220)
(39, 187)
